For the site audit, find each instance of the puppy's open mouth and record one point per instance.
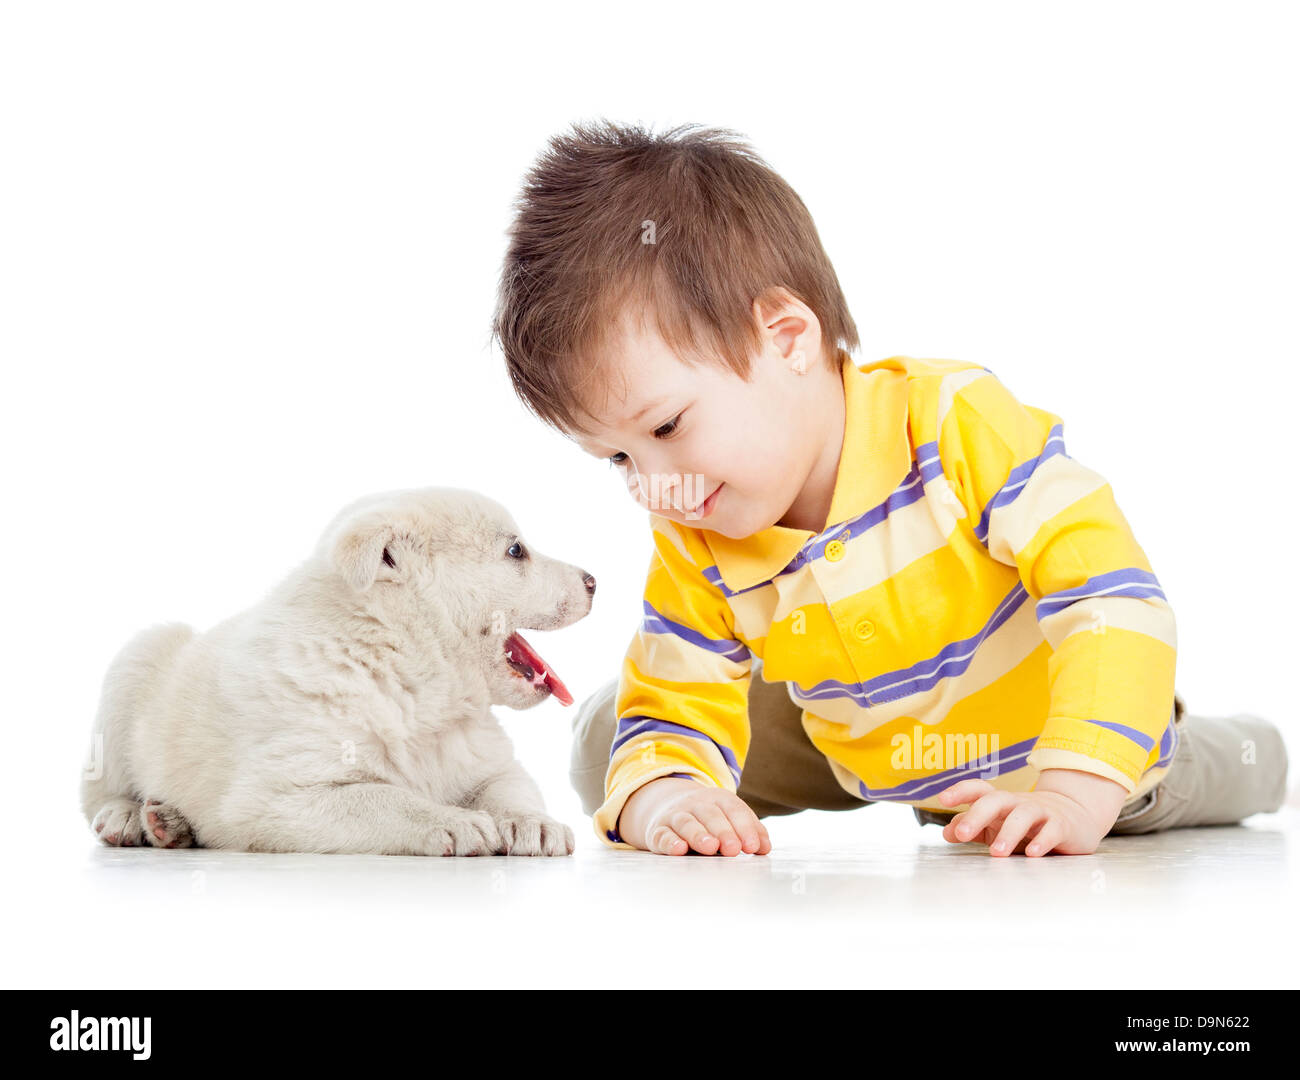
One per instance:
(523, 659)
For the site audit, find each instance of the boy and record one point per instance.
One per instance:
(958, 611)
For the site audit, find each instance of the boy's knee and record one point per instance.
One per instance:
(593, 733)
(590, 786)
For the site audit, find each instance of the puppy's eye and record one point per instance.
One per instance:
(517, 551)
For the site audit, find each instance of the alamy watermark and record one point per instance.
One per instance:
(935, 750)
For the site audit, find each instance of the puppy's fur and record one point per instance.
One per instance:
(349, 710)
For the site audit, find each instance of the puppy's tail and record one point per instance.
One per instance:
(133, 678)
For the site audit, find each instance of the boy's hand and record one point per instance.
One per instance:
(1001, 819)
(673, 815)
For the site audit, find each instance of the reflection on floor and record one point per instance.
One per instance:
(865, 898)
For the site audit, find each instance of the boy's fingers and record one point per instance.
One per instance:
(664, 841)
(950, 830)
(965, 791)
(1014, 826)
(690, 828)
(991, 806)
(746, 826)
(711, 830)
(1046, 839)
(720, 828)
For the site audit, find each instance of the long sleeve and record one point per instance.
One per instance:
(1098, 603)
(683, 693)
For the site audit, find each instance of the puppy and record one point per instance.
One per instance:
(349, 710)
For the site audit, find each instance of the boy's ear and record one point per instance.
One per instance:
(362, 553)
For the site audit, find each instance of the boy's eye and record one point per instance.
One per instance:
(664, 432)
(668, 428)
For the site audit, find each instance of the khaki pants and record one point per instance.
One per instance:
(1207, 782)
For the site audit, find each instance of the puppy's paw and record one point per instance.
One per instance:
(118, 823)
(165, 826)
(468, 832)
(534, 834)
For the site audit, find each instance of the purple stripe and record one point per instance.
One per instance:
(1143, 740)
(1129, 581)
(928, 462)
(904, 495)
(714, 578)
(922, 787)
(630, 727)
(908, 492)
(656, 623)
(951, 661)
(1168, 742)
(1017, 479)
(1006, 761)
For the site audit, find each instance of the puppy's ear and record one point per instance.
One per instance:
(361, 554)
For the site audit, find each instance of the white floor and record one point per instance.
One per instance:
(859, 899)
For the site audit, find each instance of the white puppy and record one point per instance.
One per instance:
(349, 710)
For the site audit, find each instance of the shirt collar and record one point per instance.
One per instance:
(875, 458)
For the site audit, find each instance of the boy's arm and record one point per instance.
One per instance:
(683, 693)
(1099, 605)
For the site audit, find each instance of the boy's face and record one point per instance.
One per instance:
(704, 430)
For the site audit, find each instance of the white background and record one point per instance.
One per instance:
(249, 251)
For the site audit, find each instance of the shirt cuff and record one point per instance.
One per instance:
(1051, 757)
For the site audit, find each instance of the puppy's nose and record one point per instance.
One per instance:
(590, 582)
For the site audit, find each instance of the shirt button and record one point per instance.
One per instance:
(864, 629)
(834, 551)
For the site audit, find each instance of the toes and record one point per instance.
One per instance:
(118, 823)
(163, 825)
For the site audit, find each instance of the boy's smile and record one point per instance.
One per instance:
(699, 445)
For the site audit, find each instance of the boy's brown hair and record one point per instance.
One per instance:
(688, 228)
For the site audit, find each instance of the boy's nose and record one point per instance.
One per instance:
(664, 490)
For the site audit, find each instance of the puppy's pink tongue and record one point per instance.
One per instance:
(519, 650)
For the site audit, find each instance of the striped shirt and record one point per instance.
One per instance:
(977, 606)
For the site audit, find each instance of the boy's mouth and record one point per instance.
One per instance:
(524, 661)
(705, 508)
